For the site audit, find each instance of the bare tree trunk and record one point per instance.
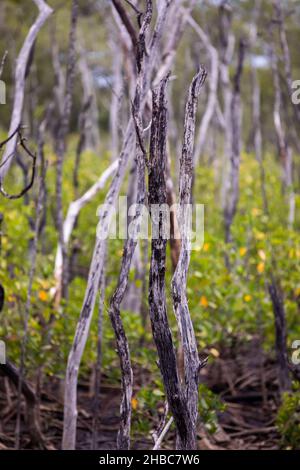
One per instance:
(179, 281)
(61, 148)
(157, 302)
(34, 425)
(92, 139)
(20, 79)
(72, 215)
(82, 330)
(226, 55)
(116, 99)
(123, 440)
(278, 10)
(175, 243)
(59, 76)
(233, 190)
(132, 298)
(176, 27)
(280, 335)
(98, 365)
(213, 90)
(258, 137)
(285, 151)
(83, 132)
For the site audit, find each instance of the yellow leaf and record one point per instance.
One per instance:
(297, 292)
(204, 301)
(11, 298)
(243, 251)
(206, 247)
(45, 284)
(43, 296)
(255, 212)
(214, 352)
(262, 255)
(247, 298)
(134, 403)
(291, 253)
(260, 267)
(259, 235)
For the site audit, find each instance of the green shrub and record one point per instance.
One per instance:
(288, 420)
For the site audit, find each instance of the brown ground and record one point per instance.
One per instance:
(243, 377)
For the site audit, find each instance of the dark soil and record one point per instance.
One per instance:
(244, 377)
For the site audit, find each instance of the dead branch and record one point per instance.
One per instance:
(72, 215)
(22, 142)
(10, 371)
(127, 23)
(20, 77)
(177, 23)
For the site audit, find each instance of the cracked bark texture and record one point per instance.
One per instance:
(179, 282)
(157, 300)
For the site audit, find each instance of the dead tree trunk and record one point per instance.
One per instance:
(92, 134)
(98, 364)
(227, 41)
(285, 151)
(82, 329)
(175, 243)
(123, 439)
(213, 90)
(32, 408)
(179, 281)
(157, 301)
(116, 98)
(61, 147)
(278, 10)
(233, 189)
(280, 335)
(20, 80)
(258, 137)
